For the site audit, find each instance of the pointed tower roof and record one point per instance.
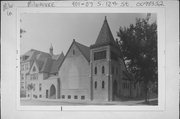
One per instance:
(105, 35)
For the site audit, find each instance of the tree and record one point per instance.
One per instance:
(22, 30)
(30, 88)
(138, 44)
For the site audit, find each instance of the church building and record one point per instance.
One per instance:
(85, 73)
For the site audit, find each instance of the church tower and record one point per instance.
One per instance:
(105, 66)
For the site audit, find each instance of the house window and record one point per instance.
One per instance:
(82, 97)
(34, 76)
(100, 55)
(22, 67)
(95, 84)
(35, 96)
(102, 69)
(22, 85)
(63, 96)
(102, 84)
(34, 87)
(26, 67)
(40, 96)
(40, 86)
(75, 97)
(22, 76)
(69, 97)
(95, 70)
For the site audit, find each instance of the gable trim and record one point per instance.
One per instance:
(74, 42)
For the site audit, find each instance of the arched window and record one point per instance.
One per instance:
(95, 70)
(95, 84)
(102, 84)
(102, 69)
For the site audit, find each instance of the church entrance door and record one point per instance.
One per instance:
(52, 92)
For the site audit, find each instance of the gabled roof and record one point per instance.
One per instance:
(84, 50)
(57, 63)
(105, 35)
(49, 64)
(43, 61)
(29, 55)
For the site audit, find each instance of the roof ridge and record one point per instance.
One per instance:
(86, 55)
(81, 44)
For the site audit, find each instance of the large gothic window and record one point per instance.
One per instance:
(100, 55)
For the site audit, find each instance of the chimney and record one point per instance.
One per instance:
(51, 50)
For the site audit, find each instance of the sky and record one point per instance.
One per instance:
(59, 29)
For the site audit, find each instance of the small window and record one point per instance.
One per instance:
(95, 70)
(34, 69)
(95, 84)
(82, 97)
(102, 69)
(102, 84)
(28, 95)
(69, 97)
(63, 96)
(40, 96)
(75, 97)
(73, 52)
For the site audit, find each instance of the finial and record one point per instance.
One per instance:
(51, 46)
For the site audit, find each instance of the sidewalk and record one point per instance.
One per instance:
(60, 102)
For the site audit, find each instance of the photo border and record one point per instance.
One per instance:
(161, 27)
